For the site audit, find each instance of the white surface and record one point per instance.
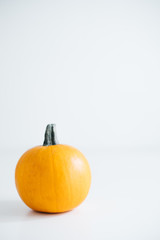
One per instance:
(80, 64)
(123, 202)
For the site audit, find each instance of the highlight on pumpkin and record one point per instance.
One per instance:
(53, 177)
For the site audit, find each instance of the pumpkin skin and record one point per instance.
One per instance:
(54, 178)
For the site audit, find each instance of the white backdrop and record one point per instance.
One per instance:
(91, 67)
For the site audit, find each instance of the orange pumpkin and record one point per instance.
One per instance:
(53, 177)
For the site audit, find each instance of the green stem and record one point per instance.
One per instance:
(50, 135)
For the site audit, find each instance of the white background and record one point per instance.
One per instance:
(93, 68)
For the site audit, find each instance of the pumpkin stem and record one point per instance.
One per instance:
(50, 135)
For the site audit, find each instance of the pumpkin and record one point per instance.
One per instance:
(54, 177)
